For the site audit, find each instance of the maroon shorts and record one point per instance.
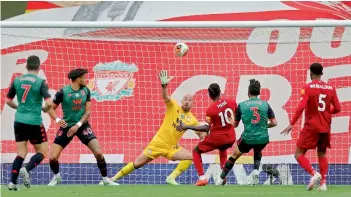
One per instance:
(309, 139)
(211, 143)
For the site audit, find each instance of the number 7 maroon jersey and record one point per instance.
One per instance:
(317, 98)
(217, 116)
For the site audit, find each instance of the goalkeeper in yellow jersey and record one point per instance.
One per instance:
(165, 142)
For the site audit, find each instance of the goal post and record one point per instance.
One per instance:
(124, 58)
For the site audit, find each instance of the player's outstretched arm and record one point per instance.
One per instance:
(200, 128)
(302, 105)
(164, 82)
(10, 96)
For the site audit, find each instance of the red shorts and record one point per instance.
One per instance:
(309, 139)
(211, 143)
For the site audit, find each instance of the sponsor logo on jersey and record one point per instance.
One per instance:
(112, 81)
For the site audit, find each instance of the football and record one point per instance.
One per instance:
(181, 49)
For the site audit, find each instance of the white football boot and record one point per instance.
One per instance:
(255, 177)
(314, 180)
(55, 180)
(13, 187)
(25, 176)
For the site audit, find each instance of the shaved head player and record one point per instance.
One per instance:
(165, 142)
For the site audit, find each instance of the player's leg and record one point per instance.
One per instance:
(203, 147)
(185, 157)
(240, 149)
(87, 137)
(323, 144)
(22, 151)
(150, 153)
(307, 140)
(21, 137)
(60, 143)
(38, 138)
(257, 162)
(131, 166)
(223, 156)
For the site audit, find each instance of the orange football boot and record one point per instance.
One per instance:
(201, 183)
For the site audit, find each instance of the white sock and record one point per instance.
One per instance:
(203, 177)
(58, 175)
(105, 179)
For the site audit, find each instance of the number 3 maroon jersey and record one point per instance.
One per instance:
(218, 117)
(317, 98)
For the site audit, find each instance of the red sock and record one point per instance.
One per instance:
(323, 166)
(223, 155)
(198, 163)
(305, 164)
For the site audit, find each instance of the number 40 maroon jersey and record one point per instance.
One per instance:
(218, 116)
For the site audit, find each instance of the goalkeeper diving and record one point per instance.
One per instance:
(165, 142)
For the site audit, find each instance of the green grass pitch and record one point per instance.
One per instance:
(173, 191)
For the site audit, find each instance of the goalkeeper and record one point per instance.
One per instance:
(165, 142)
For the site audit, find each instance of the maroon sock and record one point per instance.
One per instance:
(198, 162)
(323, 166)
(223, 155)
(16, 166)
(34, 161)
(305, 164)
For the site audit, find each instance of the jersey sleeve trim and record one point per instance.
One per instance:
(238, 114)
(12, 91)
(44, 90)
(88, 95)
(271, 114)
(58, 97)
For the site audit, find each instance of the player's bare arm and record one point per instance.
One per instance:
(164, 82)
(53, 108)
(272, 123)
(200, 128)
(336, 104)
(10, 103)
(301, 107)
(84, 118)
(44, 91)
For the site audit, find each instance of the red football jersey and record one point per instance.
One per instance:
(217, 116)
(317, 98)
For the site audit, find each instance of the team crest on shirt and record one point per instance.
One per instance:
(112, 81)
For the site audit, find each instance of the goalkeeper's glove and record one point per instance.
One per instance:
(164, 78)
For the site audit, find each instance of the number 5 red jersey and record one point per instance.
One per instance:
(218, 116)
(317, 100)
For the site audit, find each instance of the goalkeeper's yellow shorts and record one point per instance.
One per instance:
(154, 151)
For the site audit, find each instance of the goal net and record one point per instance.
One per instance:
(127, 108)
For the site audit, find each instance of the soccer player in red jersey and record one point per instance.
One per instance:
(220, 123)
(316, 99)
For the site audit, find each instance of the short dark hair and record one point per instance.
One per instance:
(316, 68)
(214, 90)
(254, 87)
(76, 73)
(33, 62)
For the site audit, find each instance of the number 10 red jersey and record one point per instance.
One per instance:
(218, 117)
